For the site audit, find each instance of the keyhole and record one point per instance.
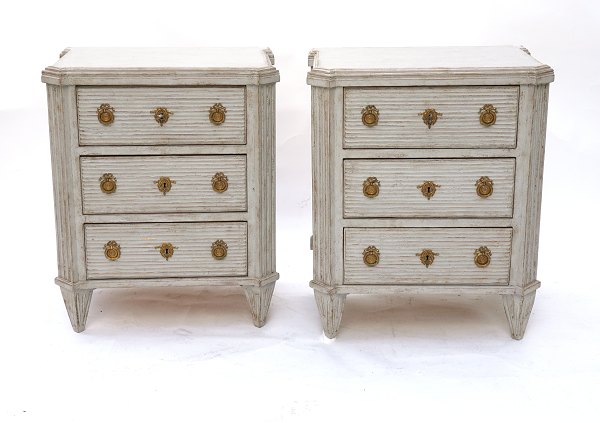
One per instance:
(427, 258)
(164, 185)
(428, 191)
(167, 251)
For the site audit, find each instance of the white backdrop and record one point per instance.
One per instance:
(193, 354)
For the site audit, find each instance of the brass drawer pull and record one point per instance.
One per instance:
(430, 117)
(112, 250)
(487, 115)
(220, 182)
(370, 115)
(219, 249)
(371, 256)
(166, 250)
(216, 114)
(428, 189)
(108, 183)
(371, 187)
(483, 257)
(485, 187)
(161, 115)
(427, 256)
(106, 114)
(164, 184)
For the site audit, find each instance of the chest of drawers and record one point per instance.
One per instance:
(427, 174)
(163, 167)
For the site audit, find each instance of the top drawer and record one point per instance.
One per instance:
(398, 118)
(132, 116)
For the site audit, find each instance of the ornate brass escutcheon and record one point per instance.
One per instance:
(108, 183)
(216, 114)
(370, 115)
(106, 114)
(219, 249)
(112, 250)
(483, 257)
(371, 256)
(428, 188)
(220, 182)
(161, 115)
(487, 115)
(485, 187)
(427, 256)
(371, 187)
(166, 250)
(164, 184)
(430, 117)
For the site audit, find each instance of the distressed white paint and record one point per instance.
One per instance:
(187, 81)
(396, 219)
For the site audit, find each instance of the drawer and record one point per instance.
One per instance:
(134, 250)
(454, 250)
(197, 184)
(429, 188)
(132, 111)
(458, 124)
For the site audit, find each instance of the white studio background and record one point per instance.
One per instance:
(173, 354)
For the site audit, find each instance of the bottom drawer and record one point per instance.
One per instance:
(470, 256)
(142, 250)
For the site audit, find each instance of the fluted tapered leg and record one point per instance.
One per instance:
(518, 309)
(331, 307)
(77, 302)
(259, 299)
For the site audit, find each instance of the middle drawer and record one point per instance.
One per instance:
(429, 187)
(163, 184)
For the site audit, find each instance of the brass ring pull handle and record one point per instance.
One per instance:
(371, 256)
(483, 257)
(487, 115)
(427, 256)
(112, 250)
(370, 115)
(108, 183)
(430, 117)
(106, 114)
(371, 187)
(216, 114)
(428, 189)
(166, 250)
(220, 182)
(164, 184)
(484, 186)
(161, 115)
(219, 249)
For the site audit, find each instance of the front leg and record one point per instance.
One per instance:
(518, 309)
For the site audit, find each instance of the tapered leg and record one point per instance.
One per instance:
(518, 308)
(259, 298)
(331, 307)
(77, 302)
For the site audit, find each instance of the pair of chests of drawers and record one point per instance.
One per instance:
(141, 183)
(378, 122)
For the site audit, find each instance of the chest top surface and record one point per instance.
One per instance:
(440, 65)
(194, 65)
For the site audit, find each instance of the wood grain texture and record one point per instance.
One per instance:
(400, 125)
(141, 259)
(137, 191)
(399, 264)
(456, 196)
(134, 122)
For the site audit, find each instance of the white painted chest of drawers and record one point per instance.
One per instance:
(427, 174)
(163, 165)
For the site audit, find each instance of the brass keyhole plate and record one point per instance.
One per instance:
(164, 184)
(428, 189)
(166, 250)
(427, 257)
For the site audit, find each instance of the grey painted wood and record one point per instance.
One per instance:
(137, 191)
(401, 126)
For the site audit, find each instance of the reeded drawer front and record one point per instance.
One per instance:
(460, 119)
(163, 184)
(130, 116)
(400, 256)
(140, 250)
(429, 188)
